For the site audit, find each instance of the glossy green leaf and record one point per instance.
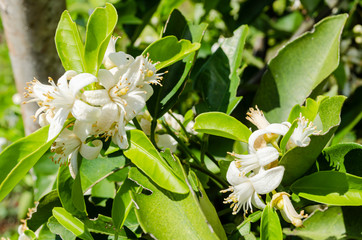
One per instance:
(286, 137)
(169, 50)
(92, 171)
(18, 158)
(99, 31)
(270, 227)
(299, 67)
(174, 209)
(144, 155)
(43, 210)
(218, 79)
(103, 225)
(330, 187)
(331, 223)
(343, 157)
(71, 223)
(309, 111)
(57, 228)
(65, 187)
(173, 83)
(299, 159)
(69, 44)
(77, 194)
(46, 234)
(223, 125)
(122, 204)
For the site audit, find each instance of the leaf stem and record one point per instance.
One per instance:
(136, 123)
(204, 146)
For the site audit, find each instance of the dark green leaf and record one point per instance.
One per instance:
(56, 228)
(330, 187)
(144, 155)
(299, 67)
(18, 158)
(69, 44)
(99, 31)
(223, 125)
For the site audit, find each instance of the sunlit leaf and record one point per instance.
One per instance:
(270, 227)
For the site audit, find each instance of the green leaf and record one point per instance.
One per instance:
(173, 83)
(299, 159)
(77, 194)
(99, 31)
(286, 137)
(71, 223)
(103, 225)
(18, 158)
(330, 187)
(46, 234)
(182, 216)
(344, 157)
(331, 223)
(233, 48)
(144, 155)
(92, 171)
(299, 67)
(169, 50)
(309, 111)
(218, 79)
(56, 228)
(69, 44)
(122, 204)
(223, 125)
(43, 210)
(65, 190)
(270, 227)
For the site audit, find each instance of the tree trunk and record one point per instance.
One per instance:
(29, 30)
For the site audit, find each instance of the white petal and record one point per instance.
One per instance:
(234, 176)
(257, 202)
(149, 91)
(73, 166)
(266, 181)
(63, 80)
(166, 141)
(267, 155)
(120, 138)
(106, 79)
(277, 128)
(121, 59)
(80, 81)
(82, 129)
(134, 74)
(111, 48)
(85, 112)
(135, 103)
(98, 97)
(57, 123)
(91, 152)
(109, 115)
(253, 139)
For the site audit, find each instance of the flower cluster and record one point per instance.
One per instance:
(99, 107)
(259, 172)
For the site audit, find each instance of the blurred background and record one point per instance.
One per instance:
(272, 24)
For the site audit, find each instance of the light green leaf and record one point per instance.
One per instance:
(69, 44)
(18, 158)
(169, 50)
(77, 194)
(145, 156)
(99, 31)
(331, 223)
(330, 187)
(299, 159)
(309, 111)
(286, 137)
(122, 204)
(233, 48)
(223, 125)
(57, 228)
(299, 67)
(182, 216)
(270, 227)
(71, 223)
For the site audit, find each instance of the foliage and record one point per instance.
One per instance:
(163, 169)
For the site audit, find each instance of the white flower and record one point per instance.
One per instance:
(301, 133)
(256, 117)
(58, 101)
(69, 143)
(254, 161)
(282, 202)
(113, 59)
(164, 141)
(260, 138)
(171, 121)
(245, 190)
